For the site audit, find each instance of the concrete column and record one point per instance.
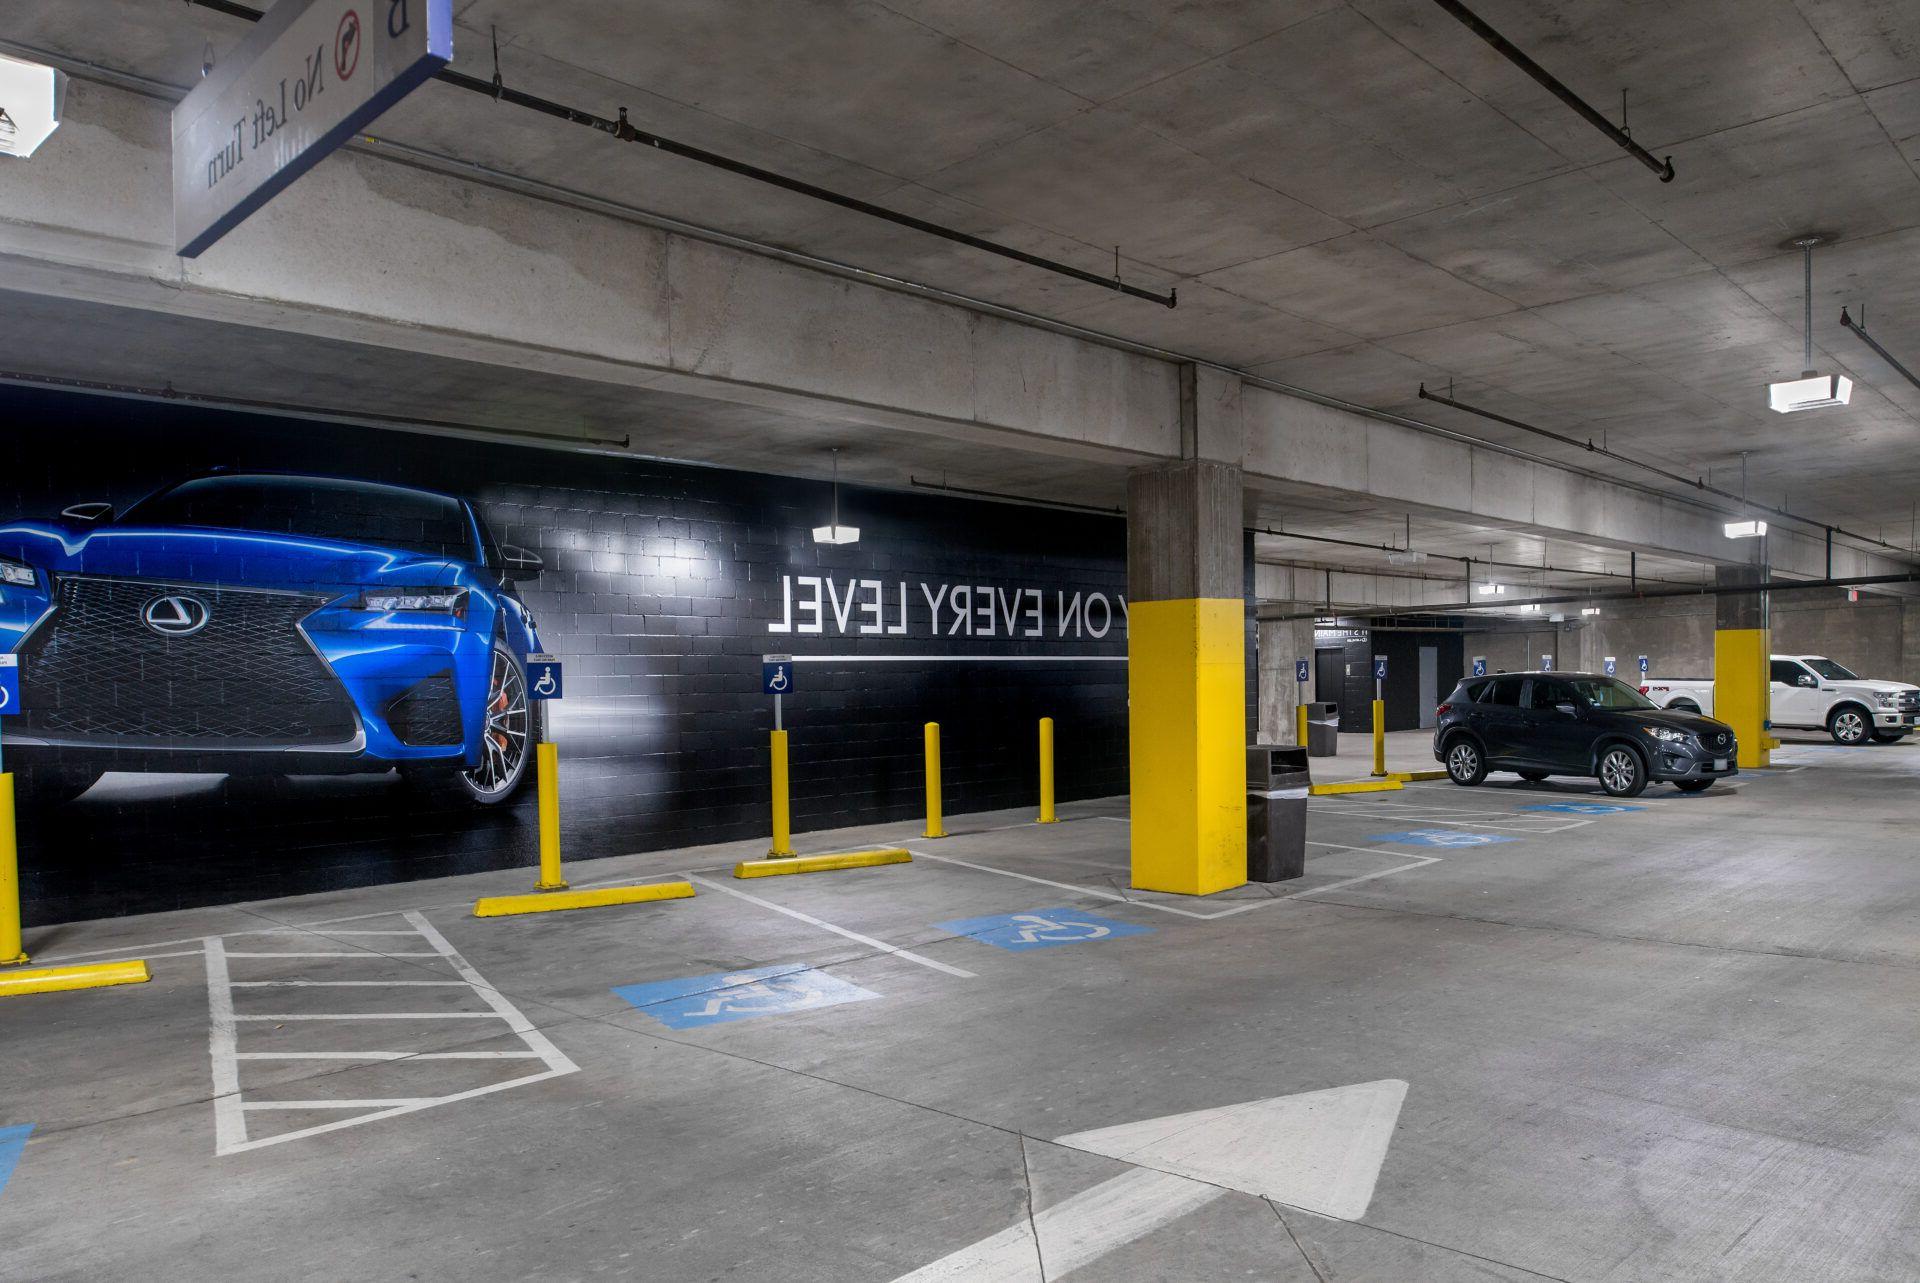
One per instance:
(1186, 651)
(1282, 643)
(1742, 648)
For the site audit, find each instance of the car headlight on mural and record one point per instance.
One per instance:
(277, 624)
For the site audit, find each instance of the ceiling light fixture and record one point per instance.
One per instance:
(1745, 529)
(834, 532)
(1589, 610)
(1491, 590)
(30, 100)
(1811, 391)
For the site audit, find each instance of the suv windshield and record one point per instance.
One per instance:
(1830, 670)
(1607, 693)
(357, 512)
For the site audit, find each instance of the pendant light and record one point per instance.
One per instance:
(1811, 391)
(833, 532)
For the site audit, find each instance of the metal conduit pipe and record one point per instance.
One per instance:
(1695, 482)
(1859, 329)
(625, 131)
(1512, 53)
(1562, 599)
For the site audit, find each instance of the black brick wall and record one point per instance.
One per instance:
(660, 583)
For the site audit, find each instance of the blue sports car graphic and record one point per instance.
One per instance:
(248, 623)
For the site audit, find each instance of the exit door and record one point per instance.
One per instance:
(1429, 685)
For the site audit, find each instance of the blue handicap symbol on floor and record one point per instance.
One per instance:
(1441, 837)
(12, 1141)
(740, 995)
(1582, 808)
(1040, 929)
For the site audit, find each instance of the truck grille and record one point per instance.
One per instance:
(1719, 739)
(1909, 700)
(96, 672)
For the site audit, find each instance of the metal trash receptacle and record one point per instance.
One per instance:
(1277, 780)
(1323, 729)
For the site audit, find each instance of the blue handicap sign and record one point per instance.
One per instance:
(1610, 666)
(1041, 929)
(1441, 837)
(1479, 665)
(543, 677)
(1300, 670)
(12, 1141)
(9, 684)
(1643, 665)
(776, 676)
(1582, 808)
(698, 1001)
(1380, 668)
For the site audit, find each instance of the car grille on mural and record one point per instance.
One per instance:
(245, 674)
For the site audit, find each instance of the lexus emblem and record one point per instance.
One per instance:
(175, 616)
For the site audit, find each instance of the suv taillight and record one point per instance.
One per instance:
(1442, 710)
(1645, 689)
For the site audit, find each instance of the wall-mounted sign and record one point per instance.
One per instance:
(9, 684)
(1301, 670)
(543, 677)
(1479, 665)
(307, 77)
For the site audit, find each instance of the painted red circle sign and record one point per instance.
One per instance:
(346, 45)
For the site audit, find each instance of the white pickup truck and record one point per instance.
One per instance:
(1812, 692)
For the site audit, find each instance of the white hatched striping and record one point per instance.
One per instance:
(232, 1108)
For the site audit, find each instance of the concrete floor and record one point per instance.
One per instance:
(1671, 1042)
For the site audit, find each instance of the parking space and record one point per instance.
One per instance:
(933, 1070)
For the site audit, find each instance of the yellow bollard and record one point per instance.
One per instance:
(934, 830)
(1046, 772)
(10, 949)
(782, 817)
(1379, 737)
(1300, 725)
(549, 764)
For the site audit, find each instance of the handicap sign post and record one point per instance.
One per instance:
(776, 679)
(1479, 665)
(543, 676)
(1379, 675)
(1610, 665)
(1300, 670)
(1643, 667)
(1546, 663)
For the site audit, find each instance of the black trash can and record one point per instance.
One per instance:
(1277, 780)
(1323, 729)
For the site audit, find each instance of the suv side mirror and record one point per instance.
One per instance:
(88, 512)
(517, 564)
(1808, 679)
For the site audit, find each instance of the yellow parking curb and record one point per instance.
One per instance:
(1408, 777)
(820, 863)
(93, 975)
(500, 906)
(1388, 785)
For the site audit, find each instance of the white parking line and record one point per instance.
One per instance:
(905, 954)
(232, 1108)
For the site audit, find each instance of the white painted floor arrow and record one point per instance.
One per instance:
(1320, 1150)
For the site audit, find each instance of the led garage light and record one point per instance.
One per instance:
(833, 532)
(1811, 391)
(1589, 610)
(1746, 529)
(1491, 590)
(30, 98)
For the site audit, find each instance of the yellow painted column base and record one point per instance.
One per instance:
(1187, 733)
(93, 975)
(1742, 691)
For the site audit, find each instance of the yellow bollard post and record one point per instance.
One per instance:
(1300, 725)
(1379, 737)
(10, 949)
(782, 817)
(1046, 773)
(549, 764)
(934, 829)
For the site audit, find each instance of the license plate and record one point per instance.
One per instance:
(1719, 763)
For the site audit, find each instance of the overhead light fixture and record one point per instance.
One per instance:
(834, 532)
(1811, 391)
(1529, 609)
(1589, 610)
(1491, 590)
(30, 100)
(1406, 557)
(1745, 529)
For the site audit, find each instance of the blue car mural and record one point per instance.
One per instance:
(258, 623)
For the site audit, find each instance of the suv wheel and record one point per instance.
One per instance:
(1850, 725)
(1622, 774)
(1464, 764)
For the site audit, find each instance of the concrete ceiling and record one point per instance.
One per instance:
(1351, 197)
